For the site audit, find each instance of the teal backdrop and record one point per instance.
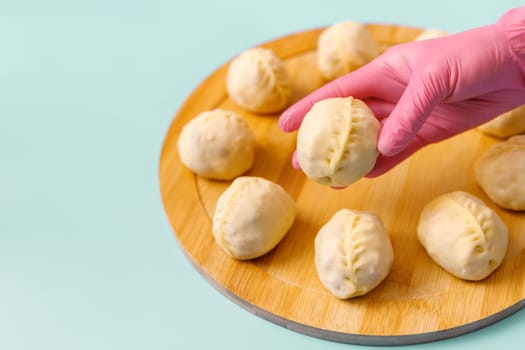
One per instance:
(87, 92)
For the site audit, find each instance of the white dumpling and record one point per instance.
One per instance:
(353, 253)
(344, 47)
(217, 144)
(463, 235)
(251, 217)
(258, 82)
(507, 124)
(337, 141)
(500, 172)
(431, 34)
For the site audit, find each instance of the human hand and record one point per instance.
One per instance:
(426, 91)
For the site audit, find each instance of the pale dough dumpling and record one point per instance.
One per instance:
(500, 172)
(507, 124)
(431, 34)
(217, 144)
(337, 141)
(463, 235)
(353, 253)
(344, 47)
(251, 217)
(258, 82)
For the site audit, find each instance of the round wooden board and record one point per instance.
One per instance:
(417, 302)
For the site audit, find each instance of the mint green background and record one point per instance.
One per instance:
(87, 92)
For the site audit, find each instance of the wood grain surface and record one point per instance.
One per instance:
(417, 302)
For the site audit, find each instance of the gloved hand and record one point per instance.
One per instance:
(427, 91)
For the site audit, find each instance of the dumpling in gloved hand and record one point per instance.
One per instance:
(337, 141)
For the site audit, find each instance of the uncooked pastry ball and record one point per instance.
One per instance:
(500, 172)
(507, 124)
(251, 217)
(337, 141)
(344, 47)
(431, 34)
(258, 82)
(463, 235)
(217, 144)
(353, 253)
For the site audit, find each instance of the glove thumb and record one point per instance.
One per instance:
(421, 95)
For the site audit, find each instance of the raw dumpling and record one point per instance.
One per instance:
(251, 217)
(353, 253)
(258, 82)
(337, 141)
(463, 235)
(344, 47)
(500, 172)
(217, 144)
(431, 34)
(507, 124)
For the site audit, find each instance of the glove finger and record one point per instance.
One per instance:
(295, 161)
(416, 103)
(384, 164)
(380, 108)
(360, 84)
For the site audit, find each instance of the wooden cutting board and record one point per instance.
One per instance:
(417, 302)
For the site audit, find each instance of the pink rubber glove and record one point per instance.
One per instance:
(426, 91)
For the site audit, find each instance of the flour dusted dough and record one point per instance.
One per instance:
(337, 141)
(344, 47)
(258, 82)
(500, 172)
(217, 144)
(507, 124)
(251, 217)
(353, 253)
(463, 235)
(431, 34)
